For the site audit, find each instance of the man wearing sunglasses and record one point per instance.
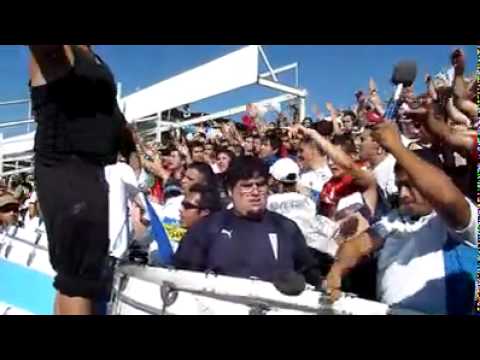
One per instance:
(8, 209)
(248, 240)
(200, 202)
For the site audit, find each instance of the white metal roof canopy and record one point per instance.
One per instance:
(228, 73)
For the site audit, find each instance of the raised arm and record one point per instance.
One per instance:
(361, 178)
(432, 91)
(335, 119)
(431, 116)
(456, 115)
(460, 89)
(430, 181)
(49, 63)
(332, 151)
(375, 98)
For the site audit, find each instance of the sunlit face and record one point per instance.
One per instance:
(266, 149)
(190, 212)
(174, 161)
(286, 143)
(9, 214)
(191, 177)
(368, 148)
(337, 171)
(209, 151)
(306, 155)
(347, 123)
(249, 144)
(250, 197)
(223, 162)
(198, 154)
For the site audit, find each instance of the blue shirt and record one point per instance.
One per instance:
(227, 244)
(270, 160)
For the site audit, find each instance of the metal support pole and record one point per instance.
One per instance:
(301, 108)
(265, 59)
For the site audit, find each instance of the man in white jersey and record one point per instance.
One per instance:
(427, 250)
(317, 230)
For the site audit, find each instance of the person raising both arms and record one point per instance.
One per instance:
(79, 127)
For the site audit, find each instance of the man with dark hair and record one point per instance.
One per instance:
(224, 160)
(248, 146)
(349, 121)
(197, 150)
(211, 155)
(169, 213)
(324, 128)
(269, 151)
(175, 163)
(427, 249)
(247, 241)
(201, 201)
(257, 144)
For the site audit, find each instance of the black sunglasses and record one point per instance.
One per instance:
(9, 208)
(189, 206)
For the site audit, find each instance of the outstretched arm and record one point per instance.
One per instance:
(431, 115)
(362, 178)
(335, 119)
(460, 89)
(429, 180)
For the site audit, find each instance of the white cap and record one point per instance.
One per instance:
(285, 170)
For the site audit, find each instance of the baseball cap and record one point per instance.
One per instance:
(7, 198)
(285, 170)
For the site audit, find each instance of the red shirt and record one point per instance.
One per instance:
(156, 191)
(248, 122)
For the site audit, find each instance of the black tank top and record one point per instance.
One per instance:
(78, 114)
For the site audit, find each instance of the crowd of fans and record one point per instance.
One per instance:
(385, 210)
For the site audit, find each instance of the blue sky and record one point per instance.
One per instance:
(329, 73)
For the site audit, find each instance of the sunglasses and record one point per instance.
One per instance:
(9, 208)
(248, 188)
(189, 206)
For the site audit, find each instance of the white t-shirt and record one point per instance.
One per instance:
(421, 263)
(315, 180)
(33, 223)
(384, 173)
(123, 185)
(169, 215)
(317, 230)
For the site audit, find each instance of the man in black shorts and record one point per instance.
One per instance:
(79, 128)
(247, 241)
